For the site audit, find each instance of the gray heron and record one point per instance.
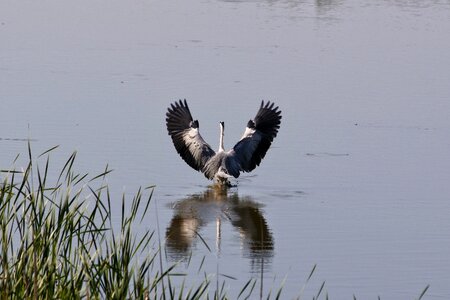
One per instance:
(245, 156)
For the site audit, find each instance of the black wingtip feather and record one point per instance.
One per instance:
(178, 117)
(268, 119)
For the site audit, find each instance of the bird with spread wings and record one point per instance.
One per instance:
(245, 156)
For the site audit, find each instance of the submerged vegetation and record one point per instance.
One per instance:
(58, 240)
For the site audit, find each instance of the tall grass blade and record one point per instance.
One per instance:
(48, 151)
(424, 292)
(203, 240)
(160, 250)
(320, 291)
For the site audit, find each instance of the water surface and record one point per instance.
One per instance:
(357, 180)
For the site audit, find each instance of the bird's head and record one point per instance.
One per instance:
(222, 125)
(251, 124)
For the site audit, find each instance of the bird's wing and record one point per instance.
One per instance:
(257, 138)
(186, 136)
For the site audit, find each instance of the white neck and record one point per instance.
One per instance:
(221, 138)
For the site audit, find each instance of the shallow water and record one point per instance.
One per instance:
(357, 180)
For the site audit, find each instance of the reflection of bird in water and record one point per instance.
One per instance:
(220, 166)
(218, 204)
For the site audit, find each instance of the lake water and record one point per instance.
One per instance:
(357, 180)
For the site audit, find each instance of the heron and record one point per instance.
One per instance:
(222, 165)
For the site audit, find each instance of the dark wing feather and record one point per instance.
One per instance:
(185, 136)
(257, 138)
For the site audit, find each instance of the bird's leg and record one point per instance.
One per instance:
(223, 181)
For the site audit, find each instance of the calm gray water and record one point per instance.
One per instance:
(357, 180)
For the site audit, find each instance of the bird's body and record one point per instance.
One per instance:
(222, 165)
(216, 167)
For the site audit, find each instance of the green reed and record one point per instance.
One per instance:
(58, 240)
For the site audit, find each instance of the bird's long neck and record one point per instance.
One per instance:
(222, 129)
